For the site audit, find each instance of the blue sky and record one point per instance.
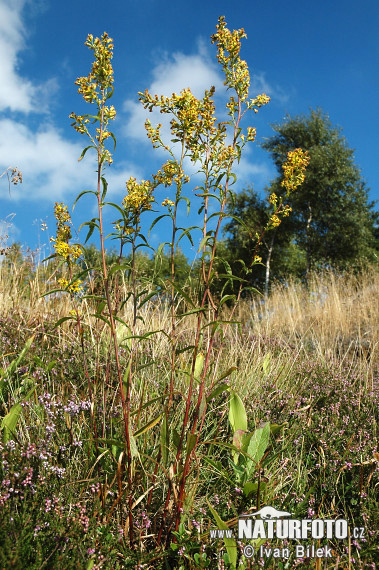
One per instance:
(303, 54)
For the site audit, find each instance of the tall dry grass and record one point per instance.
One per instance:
(333, 314)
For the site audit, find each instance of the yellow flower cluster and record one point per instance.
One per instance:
(228, 54)
(294, 169)
(251, 134)
(170, 173)
(80, 123)
(61, 243)
(97, 88)
(139, 196)
(275, 221)
(75, 287)
(101, 75)
(168, 203)
(258, 102)
(222, 156)
(192, 117)
(273, 199)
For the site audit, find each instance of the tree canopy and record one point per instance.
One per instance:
(332, 223)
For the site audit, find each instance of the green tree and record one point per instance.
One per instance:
(333, 220)
(277, 249)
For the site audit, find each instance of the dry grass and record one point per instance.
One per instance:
(335, 315)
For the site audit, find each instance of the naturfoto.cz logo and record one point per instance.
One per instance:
(273, 525)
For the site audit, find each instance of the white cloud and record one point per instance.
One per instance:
(259, 84)
(49, 164)
(48, 160)
(16, 93)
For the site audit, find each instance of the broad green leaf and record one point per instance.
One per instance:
(276, 428)
(9, 422)
(133, 445)
(191, 442)
(175, 438)
(251, 487)
(199, 365)
(237, 413)
(257, 446)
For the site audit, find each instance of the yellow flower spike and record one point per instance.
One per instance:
(294, 169)
(61, 243)
(139, 196)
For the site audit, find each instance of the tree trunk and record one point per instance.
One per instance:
(268, 262)
(309, 220)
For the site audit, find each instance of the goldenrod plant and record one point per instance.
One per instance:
(214, 147)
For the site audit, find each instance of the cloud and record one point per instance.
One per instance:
(259, 84)
(47, 159)
(16, 92)
(49, 164)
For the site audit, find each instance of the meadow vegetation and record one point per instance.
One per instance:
(140, 411)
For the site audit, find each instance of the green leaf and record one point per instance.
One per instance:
(191, 442)
(258, 444)
(117, 267)
(251, 487)
(204, 242)
(85, 151)
(9, 422)
(237, 413)
(92, 224)
(186, 233)
(182, 293)
(266, 363)
(226, 298)
(187, 200)
(276, 428)
(148, 426)
(157, 220)
(111, 134)
(82, 194)
(217, 391)
(175, 438)
(15, 363)
(199, 365)
(133, 445)
(230, 543)
(227, 373)
(105, 187)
